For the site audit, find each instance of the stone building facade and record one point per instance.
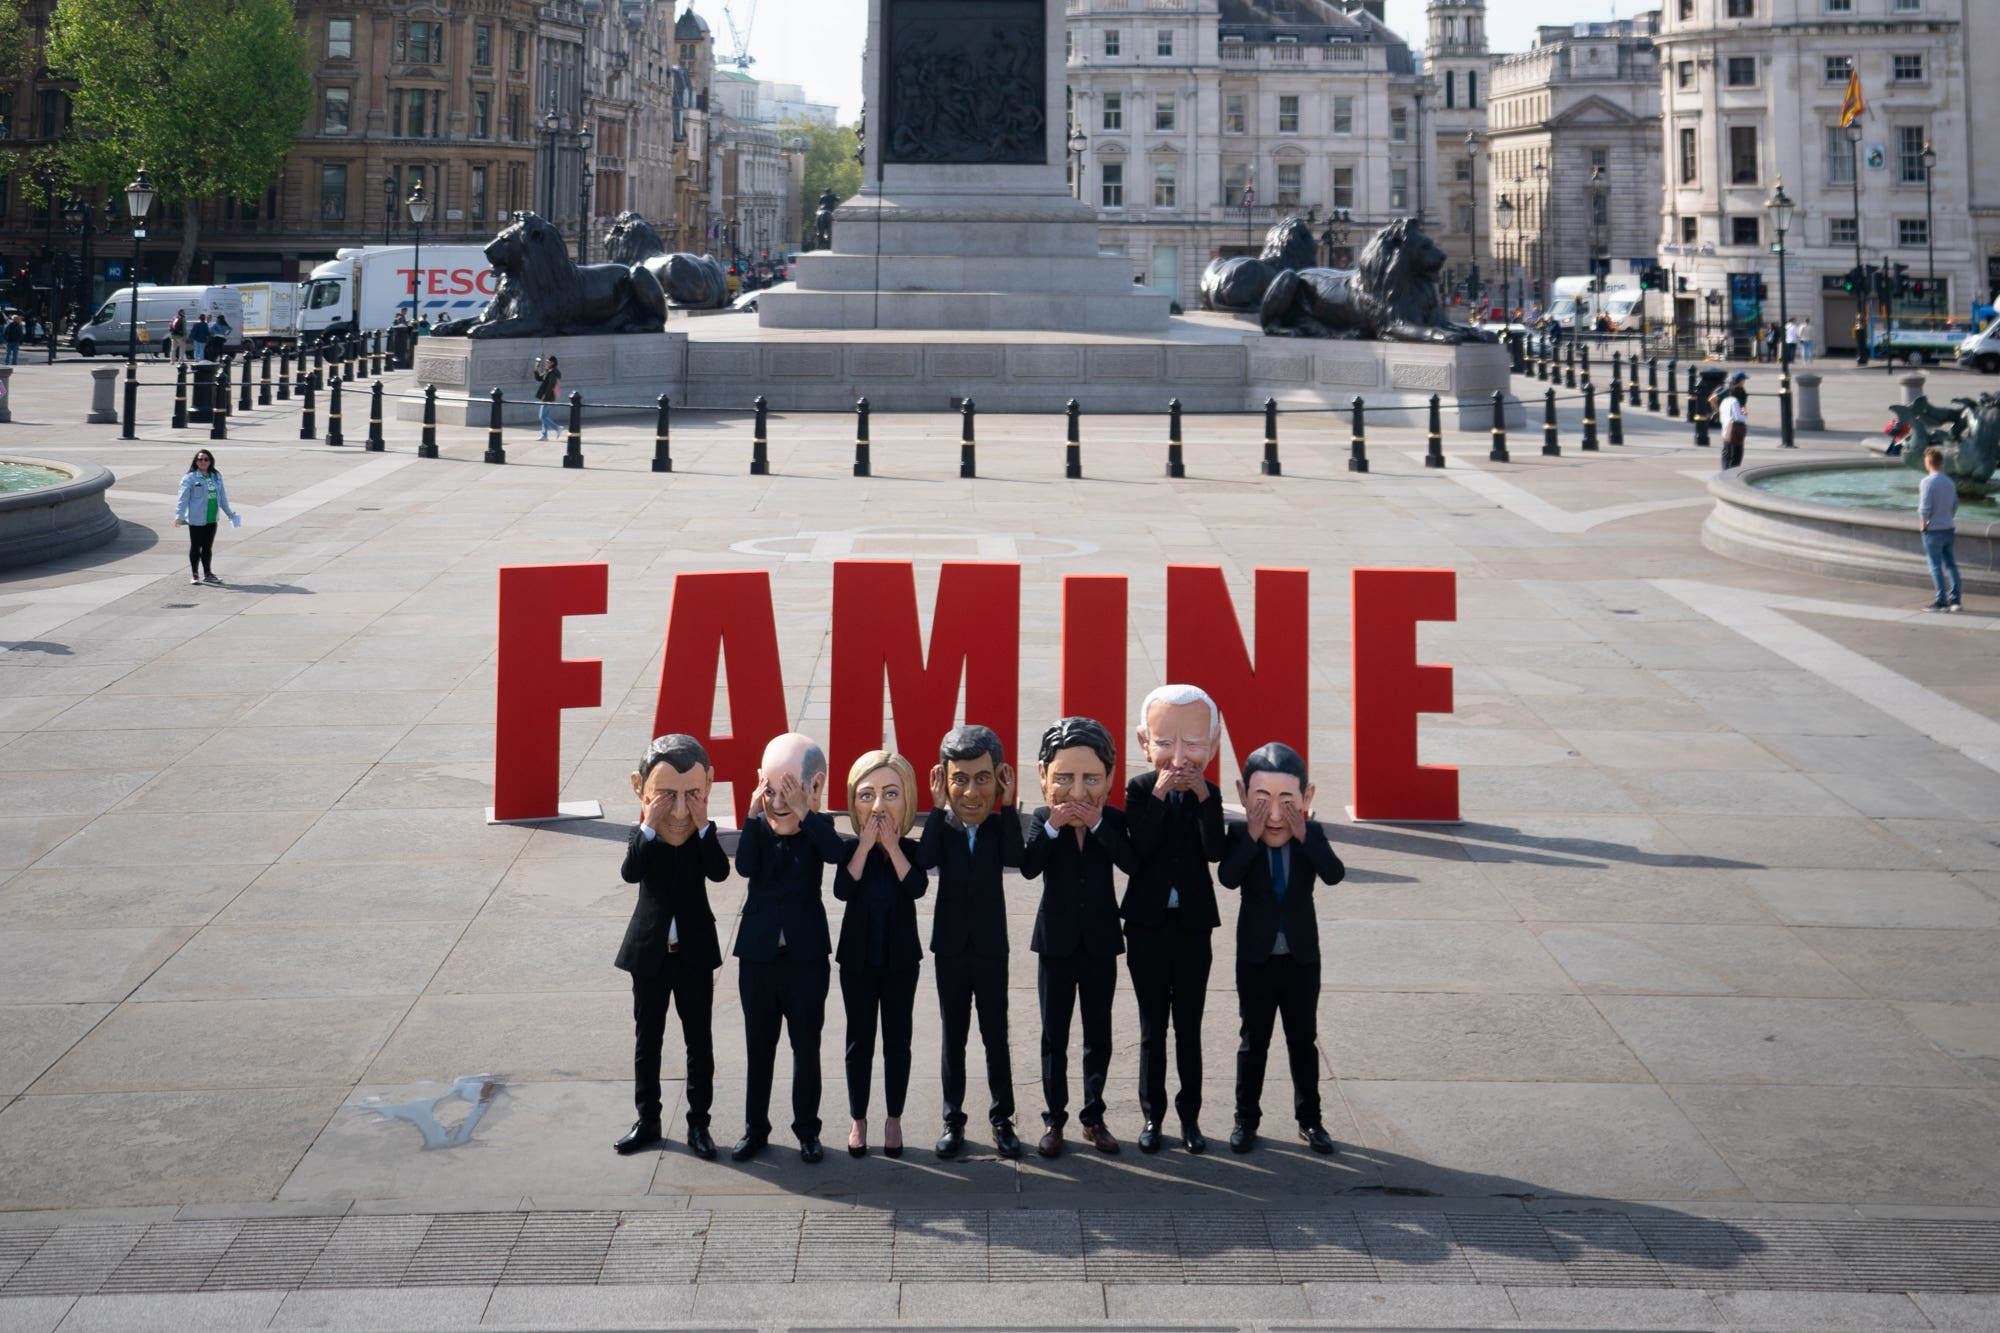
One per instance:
(1459, 70)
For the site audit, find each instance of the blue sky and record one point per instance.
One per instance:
(818, 42)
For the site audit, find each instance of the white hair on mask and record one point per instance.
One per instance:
(1174, 696)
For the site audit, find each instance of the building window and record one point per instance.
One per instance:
(1840, 6)
(1744, 231)
(479, 194)
(1905, 6)
(1461, 169)
(1163, 111)
(1837, 69)
(1111, 177)
(1600, 210)
(1684, 74)
(481, 117)
(1111, 41)
(1841, 231)
(1687, 9)
(1399, 124)
(1742, 154)
(1601, 158)
(333, 192)
(1742, 71)
(1472, 88)
(1450, 89)
(1166, 185)
(1163, 43)
(1343, 187)
(514, 116)
(340, 39)
(520, 50)
(1839, 157)
(1235, 179)
(1910, 154)
(334, 121)
(419, 42)
(1690, 230)
(414, 113)
(1743, 9)
(1399, 188)
(1114, 111)
(55, 111)
(1913, 231)
(1235, 116)
(1288, 114)
(1343, 115)
(1906, 69)
(1290, 176)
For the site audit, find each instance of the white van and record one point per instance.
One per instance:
(1981, 351)
(109, 329)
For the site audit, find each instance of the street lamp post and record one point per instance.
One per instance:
(551, 127)
(420, 211)
(1078, 142)
(1781, 209)
(583, 179)
(1598, 187)
(1503, 218)
(45, 176)
(138, 203)
(1472, 188)
(1860, 270)
(1334, 238)
(1930, 158)
(79, 222)
(1541, 249)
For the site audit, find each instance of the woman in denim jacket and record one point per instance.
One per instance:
(203, 499)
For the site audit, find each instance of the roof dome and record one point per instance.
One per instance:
(690, 26)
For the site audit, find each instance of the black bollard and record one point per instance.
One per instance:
(1652, 384)
(346, 355)
(361, 356)
(1617, 377)
(264, 381)
(573, 452)
(760, 440)
(1617, 418)
(375, 353)
(1698, 411)
(181, 396)
(1550, 449)
(218, 417)
(863, 465)
(244, 403)
(319, 365)
(967, 459)
(495, 452)
(1357, 444)
(1582, 364)
(1694, 382)
(1589, 416)
(1073, 451)
(1271, 467)
(428, 448)
(1498, 453)
(663, 444)
(1542, 359)
(130, 428)
(308, 429)
(1434, 455)
(1673, 387)
(1632, 385)
(1176, 464)
(376, 444)
(334, 436)
(1787, 439)
(285, 373)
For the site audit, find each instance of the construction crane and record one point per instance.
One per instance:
(739, 33)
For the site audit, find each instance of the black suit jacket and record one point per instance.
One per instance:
(1174, 841)
(1079, 909)
(901, 951)
(1246, 865)
(970, 915)
(673, 890)
(782, 893)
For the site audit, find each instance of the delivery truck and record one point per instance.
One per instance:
(361, 288)
(270, 312)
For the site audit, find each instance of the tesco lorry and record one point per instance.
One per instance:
(362, 288)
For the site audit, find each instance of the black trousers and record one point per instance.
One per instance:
(890, 994)
(962, 980)
(1169, 968)
(1061, 982)
(788, 992)
(201, 547)
(1280, 988)
(690, 988)
(1732, 455)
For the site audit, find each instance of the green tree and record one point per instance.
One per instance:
(830, 163)
(205, 94)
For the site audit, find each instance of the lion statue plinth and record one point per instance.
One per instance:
(1240, 283)
(1392, 295)
(543, 293)
(691, 281)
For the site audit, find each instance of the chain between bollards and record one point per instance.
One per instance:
(663, 440)
(1498, 454)
(334, 436)
(1589, 416)
(1550, 448)
(760, 440)
(968, 462)
(375, 443)
(308, 428)
(1073, 449)
(1271, 467)
(180, 396)
(1434, 454)
(496, 452)
(1787, 439)
(1357, 443)
(1176, 464)
(864, 464)
(218, 417)
(429, 447)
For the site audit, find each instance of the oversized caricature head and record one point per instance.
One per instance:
(1077, 757)
(882, 783)
(799, 758)
(1275, 793)
(1178, 728)
(975, 771)
(672, 785)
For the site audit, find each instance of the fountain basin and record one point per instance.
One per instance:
(1837, 536)
(68, 515)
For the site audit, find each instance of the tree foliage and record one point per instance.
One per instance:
(830, 163)
(205, 94)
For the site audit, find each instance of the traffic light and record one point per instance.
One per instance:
(1881, 284)
(1901, 281)
(1850, 281)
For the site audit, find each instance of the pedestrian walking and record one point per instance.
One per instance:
(1937, 520)
(198, 338)
(548, 382)
(1733, 404)
(218, 334)
(1806, 339)
(15, 332)
(1771, 336)
(203, 500)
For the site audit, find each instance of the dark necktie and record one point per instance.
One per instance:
(1278, 872)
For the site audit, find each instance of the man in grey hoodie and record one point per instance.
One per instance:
(1937, 519)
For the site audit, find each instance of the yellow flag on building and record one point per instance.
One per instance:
(1851, 106)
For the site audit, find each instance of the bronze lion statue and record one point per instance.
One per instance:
(1240, 283)
(543, 293)
(1392, 295)
(691, 281)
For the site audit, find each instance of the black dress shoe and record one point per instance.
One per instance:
(747, 1147)
(810, 1152)
(1149, 1137)
(643, 1135)
(1316, 1138)
(950, 1142)
(1241, 1139)
(700, 1143)
(1192, 1139)
(1006, 1140)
